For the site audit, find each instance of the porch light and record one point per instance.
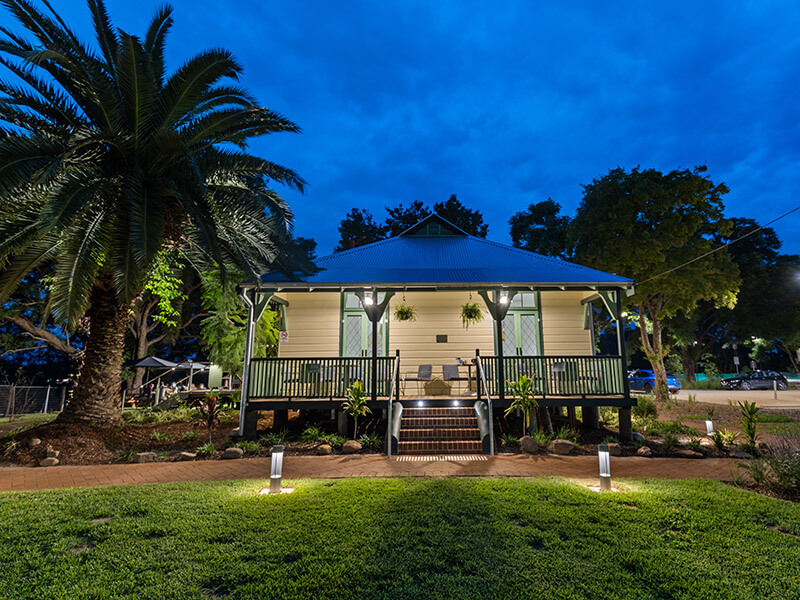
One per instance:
(455, 403)
(710, 426)
(605, 467)
(504, 299)
(368, 300)
(420, 404)
(276, 469)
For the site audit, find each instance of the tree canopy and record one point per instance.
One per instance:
(541, 229)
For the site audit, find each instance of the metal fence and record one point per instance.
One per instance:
(29, 399)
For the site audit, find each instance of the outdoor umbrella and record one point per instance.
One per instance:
(151, 362)
(191, 366)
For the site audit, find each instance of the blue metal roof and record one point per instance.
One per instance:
(448, 258)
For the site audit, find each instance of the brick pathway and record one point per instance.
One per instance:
(25, 478)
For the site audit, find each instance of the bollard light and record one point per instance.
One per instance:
(276, 469)
(605, 466)
(710, 426)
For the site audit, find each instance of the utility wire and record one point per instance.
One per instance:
(710, 252)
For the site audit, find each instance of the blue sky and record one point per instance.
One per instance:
(508, 103)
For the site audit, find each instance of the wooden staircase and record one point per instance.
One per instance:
(439, 431)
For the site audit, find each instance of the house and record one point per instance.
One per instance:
(340, 326)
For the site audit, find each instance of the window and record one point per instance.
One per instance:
(522, 326)
(356, 331)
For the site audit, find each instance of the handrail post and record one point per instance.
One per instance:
(393, 389)
(490, 410)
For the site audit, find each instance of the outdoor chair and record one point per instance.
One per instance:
(424, 373)
(451, 373)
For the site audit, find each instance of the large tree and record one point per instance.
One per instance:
(643, 224)
(540, 228)
(106, 160)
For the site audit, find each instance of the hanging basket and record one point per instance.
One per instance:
(470, 314)
(404, 312)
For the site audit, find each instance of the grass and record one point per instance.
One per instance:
(400, 538)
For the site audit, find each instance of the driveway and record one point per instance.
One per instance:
(763, 398)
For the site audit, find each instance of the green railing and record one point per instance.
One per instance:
(571, 376)
(316, 377)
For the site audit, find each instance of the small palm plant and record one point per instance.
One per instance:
(749, 412)
(524, 400)
(210, 409)
(356, 404)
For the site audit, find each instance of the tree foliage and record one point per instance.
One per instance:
(643, 223)
(108, 160)
(541, 229)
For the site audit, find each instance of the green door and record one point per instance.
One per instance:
(356, 339)
(521, 327)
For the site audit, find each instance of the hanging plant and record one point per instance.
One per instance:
(404, 312)
(470, 314)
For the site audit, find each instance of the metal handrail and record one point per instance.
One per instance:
(479, 367)
(392, 390)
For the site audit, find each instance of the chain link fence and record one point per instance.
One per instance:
(29, 399)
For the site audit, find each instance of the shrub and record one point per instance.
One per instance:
(274, 437)
(673, 427)
(567, 433)
(610, 439)
(210, 409)
(729, 437)
(356, 404)
(758, 471)
(670, 441)
(718, 439)
(524, 400)
(645, 408)
(770, 418)
(180, 414)
(127, 453)
(749, 412)
(609, 416)
(157, 436)
(694, 444)
(190, 436)
(334, 440)
(206, 449)
(510, 440)
(371, 441)
(784, 462)
(249, 446)
(542, 437)
(311, 434)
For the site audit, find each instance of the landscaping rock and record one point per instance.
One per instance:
(233, 452)
(324, 449)
(736, 453)
(528, 444)
(644, 451)
(686, 453)
(33, 442)
(614, 449)
(656, 444)
(49, 462)
(145, 457)
(53, 453)
(182, 456)
(637, 437)
(560, 446)
(351, 447)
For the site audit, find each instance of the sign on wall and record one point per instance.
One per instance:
(283, 336)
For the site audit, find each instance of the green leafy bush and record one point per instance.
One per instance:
(718, 440)
(355, 404)
(157, 436)
(729, 437)
(567, 433)
(784, 462)
(371, 441)
(749, 413)
(249, 446)
(694, 444)
(542, 437)
(524, 400)
(510, 440)
(334, 440)
(206, 449)
(771, 418)
(180, 414)
(127, 453)
(670, 441)
(609, 416)
(190, 436)
(673, 427)
(274, 437)
(311, 434)
(645, 408)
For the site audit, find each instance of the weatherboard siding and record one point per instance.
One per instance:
(562, 324)
(313, 324)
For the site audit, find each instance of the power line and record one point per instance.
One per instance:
(710, 252)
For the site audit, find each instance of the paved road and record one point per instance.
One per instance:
(296, 467)
(763, 398)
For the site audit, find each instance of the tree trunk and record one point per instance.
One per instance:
(689, 365)
(653, 349)
(97, 393)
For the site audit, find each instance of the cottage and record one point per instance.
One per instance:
(525, 314)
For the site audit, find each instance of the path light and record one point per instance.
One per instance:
(710, 426)
(605, 467)
(276, 469)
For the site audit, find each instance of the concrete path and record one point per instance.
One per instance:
(788, 399)
(295, 467)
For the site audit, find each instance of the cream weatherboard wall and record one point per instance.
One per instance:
(314, 326)
(313, 321)
(562, 324)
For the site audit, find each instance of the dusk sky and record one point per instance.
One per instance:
(507, 103)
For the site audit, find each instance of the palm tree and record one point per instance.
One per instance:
(107, 160)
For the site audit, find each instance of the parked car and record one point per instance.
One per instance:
(756, 380)
(645, 381)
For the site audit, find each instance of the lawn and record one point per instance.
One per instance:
(400, 538)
